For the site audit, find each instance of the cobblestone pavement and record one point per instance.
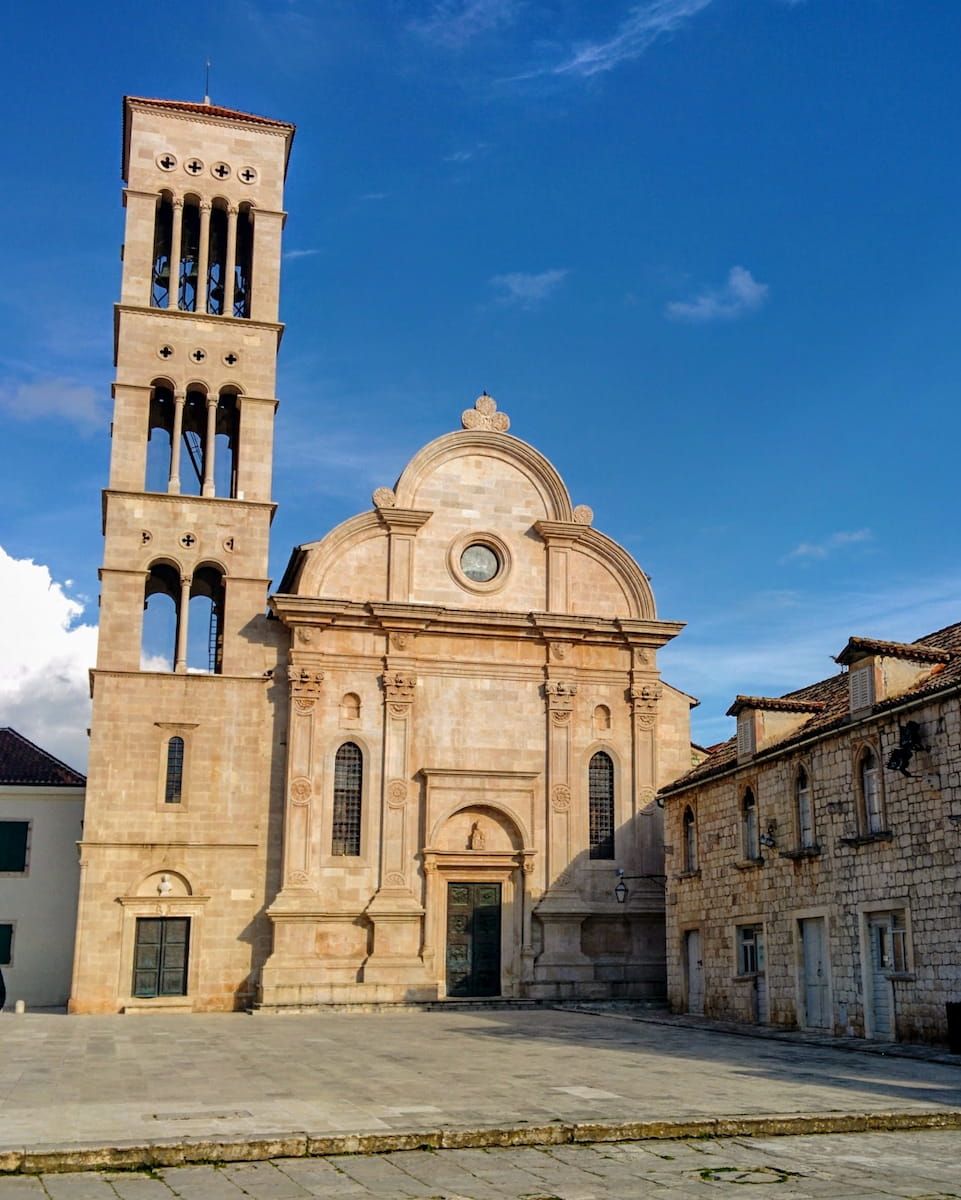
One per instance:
(872, 1166)
(117, 1080)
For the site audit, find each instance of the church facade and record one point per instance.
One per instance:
(418, 772)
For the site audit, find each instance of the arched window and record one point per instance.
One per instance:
(175, 771)
(161, 618)
(243, 269)
(749, 828)
(205, 634)
(217, 258)
(600, 781)
(348, 785)
(189, 255)
(160, 273)
(690, 840)
(194, 437)
(872, 813)
(223, 469)
(805, 809)
(160, 424)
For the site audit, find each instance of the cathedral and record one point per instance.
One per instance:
(424, 768)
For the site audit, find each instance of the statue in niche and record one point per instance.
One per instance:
(478, 838)
(165, 887)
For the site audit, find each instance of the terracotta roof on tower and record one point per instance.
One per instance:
(210, 110)
(21, 762)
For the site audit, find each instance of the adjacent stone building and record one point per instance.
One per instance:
(41, 821)
(814, 877)
(418, 773)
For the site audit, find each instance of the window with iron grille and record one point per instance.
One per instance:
(601, 805)
(348, 782)
(175, 770)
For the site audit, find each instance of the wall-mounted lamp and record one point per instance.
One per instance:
(767, 838)
(621, 890)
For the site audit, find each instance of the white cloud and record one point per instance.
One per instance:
(454, 23)
(815, 550)
(644, 24)
(740, 294)
(85, 406)
(289, 254)
(528, 290)
(44, 658)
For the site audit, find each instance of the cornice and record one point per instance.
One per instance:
(221, 502)
(177, 314)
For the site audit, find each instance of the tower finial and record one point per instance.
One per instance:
(207, 81)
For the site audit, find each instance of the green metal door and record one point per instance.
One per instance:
(473, 939)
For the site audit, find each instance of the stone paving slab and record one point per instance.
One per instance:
(165, 1091)
(873, 1166)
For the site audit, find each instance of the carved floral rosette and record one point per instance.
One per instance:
(396, 793)
(561, 798)
(300, 790)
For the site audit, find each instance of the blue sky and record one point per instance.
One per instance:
(704, 253)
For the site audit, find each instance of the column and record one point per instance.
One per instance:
(305, 688)
(395, 913)
(176, 237)
(176, 434)
(645, 692)
(561, 910)
(203, 256)
(180, 657)
(210, 446)
(231, 265)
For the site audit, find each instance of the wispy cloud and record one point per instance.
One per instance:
(528, 290)
(453, 23)
(740, 294)
(643, 25)
(808, 551)
(84, 406)
(375, 196)
(463, 156)
(291, 254)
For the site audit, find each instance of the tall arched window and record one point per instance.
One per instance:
(690, 840)
(805, 809)
(348, 785)
(601, 805)
(205, 632)
(160, 273)
(872, 813)
(175, 771)
(749, 827)
(161, 618)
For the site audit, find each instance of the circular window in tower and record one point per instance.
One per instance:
(479, 562)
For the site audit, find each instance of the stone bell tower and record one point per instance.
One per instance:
(178, 838)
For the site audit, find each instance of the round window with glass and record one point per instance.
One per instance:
(479, 563)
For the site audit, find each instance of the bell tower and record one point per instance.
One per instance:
(178, 835)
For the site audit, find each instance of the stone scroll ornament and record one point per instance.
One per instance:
(305, 686)
(399, 687)
(484, 415)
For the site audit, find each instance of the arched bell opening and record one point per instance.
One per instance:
(161, 619)
(160, 426)
(160, 267)
(193, 436)
(243, 269)
(189, 255)
(205, 629)
(217, 258)
(227, 428)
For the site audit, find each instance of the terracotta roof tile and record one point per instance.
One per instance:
(210, 110)
(862, 647)
(774, 704)
(831, 695)
(21, 762)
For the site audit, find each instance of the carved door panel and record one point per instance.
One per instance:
(473, 939)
